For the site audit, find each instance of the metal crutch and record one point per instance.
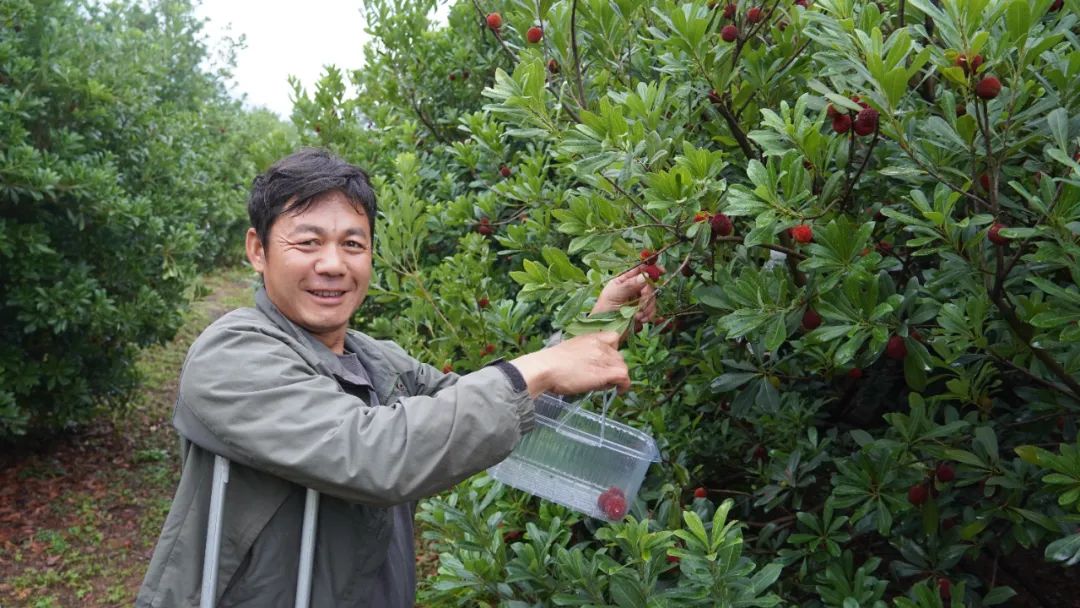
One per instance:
(213, 539)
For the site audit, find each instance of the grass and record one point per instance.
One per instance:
(91, 504)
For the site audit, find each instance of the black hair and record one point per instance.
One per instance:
(296, 181)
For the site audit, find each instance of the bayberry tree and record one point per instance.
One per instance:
(868, 352)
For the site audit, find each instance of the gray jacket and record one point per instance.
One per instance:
(261, 391)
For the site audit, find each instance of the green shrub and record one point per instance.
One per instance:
(893, 312)
(123, 171)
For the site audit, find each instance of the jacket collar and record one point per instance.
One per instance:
(383, 374)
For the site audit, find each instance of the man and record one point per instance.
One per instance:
(295, 400)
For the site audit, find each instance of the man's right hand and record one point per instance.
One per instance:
(578, 365)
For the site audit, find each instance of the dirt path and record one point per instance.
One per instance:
(79, 514)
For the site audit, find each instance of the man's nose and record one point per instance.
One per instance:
(330, 261)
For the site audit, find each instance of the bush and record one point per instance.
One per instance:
(867, 215)
(123, 172)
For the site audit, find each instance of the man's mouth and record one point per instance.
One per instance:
(326, 293)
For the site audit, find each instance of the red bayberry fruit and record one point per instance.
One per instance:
(811, 320)
(754, 14)
(465, 74)
(975, 62)
(1056, 6)
(884, 247)
(917, 494)
(700, 492)
(729, 33)
(944, 586)
(652, 271)
(760, 453)
(714, 97)
(553, 66)
(484, 229)
(802, 233)
(504, 171)
(701, 216)
(896, 349)
(672, 559)
(802, 3)
(648, 256)
(866, 121)
(729, 11)
(482, 302)
(832, 112)
(446, 369)
(453, 76)
(855, 373)
(988, 87)
(961, 110)
(984, 181)
(489, 348)
(995, 236)
(687, 270)
(945, 472)
(494, 20)
(612, 503)
(841, 123)
(721, 225)
(534, 34)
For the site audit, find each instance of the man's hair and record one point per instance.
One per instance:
(303, 177)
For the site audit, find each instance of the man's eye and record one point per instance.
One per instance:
(354, 244)
(309, 243)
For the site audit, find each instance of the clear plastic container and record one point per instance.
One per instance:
(565, 460)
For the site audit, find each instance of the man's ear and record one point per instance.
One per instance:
(256, 253)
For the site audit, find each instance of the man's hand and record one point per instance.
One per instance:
(628, 288)
(578, 365)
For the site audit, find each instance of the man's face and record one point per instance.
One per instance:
(317, 265)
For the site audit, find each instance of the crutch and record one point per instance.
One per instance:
(213, 539)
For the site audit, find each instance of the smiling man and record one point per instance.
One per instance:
(295, 399)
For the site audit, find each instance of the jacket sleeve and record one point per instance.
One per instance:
(269, 409)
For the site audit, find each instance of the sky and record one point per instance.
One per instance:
(284, 38)
(288, 37)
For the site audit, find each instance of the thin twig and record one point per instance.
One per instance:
(577, 58)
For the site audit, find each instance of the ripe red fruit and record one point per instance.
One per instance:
(446, 369)
(984, 181)
(917, 494)
(995, 236)
(721, 225)
(961, 110)
(482, 302)
(687, 269)
(484, 227)
(729, 33)
(672, 559)
(760, 453)
(504, 171)
(841, 123)
(453, 76)
(802, 3)
(1056, 6)
(811, 320)
(489, 348)
(494, 20)
(754, 14)
(612, 503)
(832, 112)
(944, 586)
(701, 216)
(975, 62)
(802, 233)
(866, 121)
(465, 74)
(648, 256)
(700, 492)
(855, 373)
(945, 472)
(652, 271)
(553, 66)
(534, 34)
(988, 87)
(729, 11)
(896, 349)
(714, 97)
